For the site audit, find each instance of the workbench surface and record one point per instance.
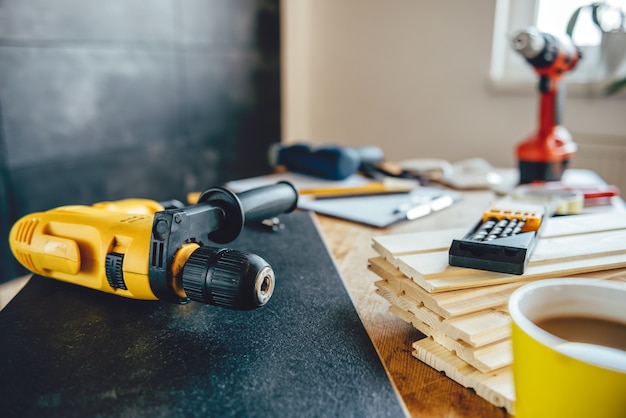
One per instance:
(424, 391)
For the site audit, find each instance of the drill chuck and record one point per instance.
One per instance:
(549, 55)
(228, 278)
(529, 43)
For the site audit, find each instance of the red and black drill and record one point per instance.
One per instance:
(545, 155)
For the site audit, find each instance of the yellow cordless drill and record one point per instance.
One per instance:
(138, 249)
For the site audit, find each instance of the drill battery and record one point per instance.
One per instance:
(501, 241)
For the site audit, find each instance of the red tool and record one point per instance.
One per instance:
(545, 155)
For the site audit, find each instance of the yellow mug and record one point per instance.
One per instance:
(578, 367)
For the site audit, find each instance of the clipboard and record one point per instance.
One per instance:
(383, 210)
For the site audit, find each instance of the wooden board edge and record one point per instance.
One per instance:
(495, 387)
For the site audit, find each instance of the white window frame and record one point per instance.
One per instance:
(510, 72)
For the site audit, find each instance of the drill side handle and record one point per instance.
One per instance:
(250, 206)
(268, 201)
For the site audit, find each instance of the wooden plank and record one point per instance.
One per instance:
(576, 247)
(565, 251)
(449, 304)
(464, 334)
(489, 354)
(390, 246)
(584, 224)
(478, 278)
(455, 303)
(476, 329)
(486, 358)
(548, 250)
(496, 387)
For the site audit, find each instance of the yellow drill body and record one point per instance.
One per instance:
(70, 243)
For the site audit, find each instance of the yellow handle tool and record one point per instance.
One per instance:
(137, 249)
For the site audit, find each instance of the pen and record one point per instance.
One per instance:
(422, 206)
(412, 203)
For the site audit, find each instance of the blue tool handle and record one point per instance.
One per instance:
(332, 163)
(268, 201)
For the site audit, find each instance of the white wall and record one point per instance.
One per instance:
(412, 77)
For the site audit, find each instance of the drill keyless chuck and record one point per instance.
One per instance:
(529, 43)
(228, 278)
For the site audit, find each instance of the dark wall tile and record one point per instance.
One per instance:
(88, 21)
(8, 268)
(218, 88)
(159, 171)
(217, 22)
(227, 104)
(69, 102)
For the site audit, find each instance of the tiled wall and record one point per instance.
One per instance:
(103, 100)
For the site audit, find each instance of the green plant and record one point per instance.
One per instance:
(595, 8)
(615, 86)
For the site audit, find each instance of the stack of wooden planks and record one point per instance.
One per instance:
(463, 312)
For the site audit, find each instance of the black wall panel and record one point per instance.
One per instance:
(108, 100)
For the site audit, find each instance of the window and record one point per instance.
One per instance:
(552, 16)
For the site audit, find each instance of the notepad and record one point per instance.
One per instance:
(383, 210)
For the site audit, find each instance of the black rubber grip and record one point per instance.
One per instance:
(268, 201)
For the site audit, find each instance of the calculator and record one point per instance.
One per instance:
(501, 241)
